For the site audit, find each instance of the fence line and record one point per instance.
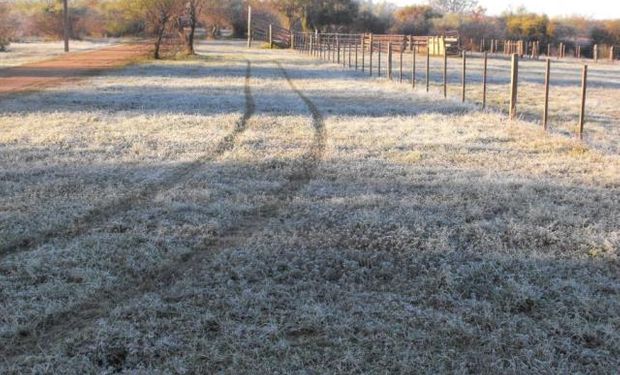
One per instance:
(344, 46)
(346, 49)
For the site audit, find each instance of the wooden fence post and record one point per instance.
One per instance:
(547, 80)
(611, 54)
(484, 82)
(401, 64)
(370, 57)
(389, 61)
(463, 77)
(349, 45)
(315, 45)
(65, 24)
(582, 112)
(445, 74)
(370, 53)
(428, 63)
(514, 78)
(362, 42)
(338, 49)
(356, 50)
(596, 53)
(328, 49)
(563, 50)
(271, 37)
(350, 48)
(249, 27)
(413, 67)
(379, 60)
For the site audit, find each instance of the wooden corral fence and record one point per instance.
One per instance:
(534, 49)
(273, 35)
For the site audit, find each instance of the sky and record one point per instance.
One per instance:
(599, 9)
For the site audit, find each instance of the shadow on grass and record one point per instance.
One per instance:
(412, 246)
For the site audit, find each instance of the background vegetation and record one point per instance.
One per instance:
(117, 18)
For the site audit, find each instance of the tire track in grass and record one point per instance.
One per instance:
(57, 327)
(100, 214)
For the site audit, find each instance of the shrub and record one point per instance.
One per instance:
(6, 26)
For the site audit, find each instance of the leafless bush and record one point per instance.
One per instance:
(6, 26)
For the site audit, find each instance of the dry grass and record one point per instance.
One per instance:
(429, 236)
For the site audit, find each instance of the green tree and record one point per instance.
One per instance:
(323, 14)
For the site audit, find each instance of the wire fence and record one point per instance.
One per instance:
(511, 76)
(425, 61)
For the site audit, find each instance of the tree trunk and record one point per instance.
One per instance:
(190, 39)
(160, 37)
(193, 20)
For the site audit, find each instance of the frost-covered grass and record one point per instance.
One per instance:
(24, 53)
(602, 113)
(427, 235)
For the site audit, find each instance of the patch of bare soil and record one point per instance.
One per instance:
(69, 67)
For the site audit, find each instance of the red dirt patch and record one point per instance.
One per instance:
(67, 68)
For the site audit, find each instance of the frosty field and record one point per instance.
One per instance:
(255, 211)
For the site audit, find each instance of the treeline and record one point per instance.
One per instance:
(116, 18)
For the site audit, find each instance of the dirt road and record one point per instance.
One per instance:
(69, 67)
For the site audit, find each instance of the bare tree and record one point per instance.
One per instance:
(188, 18)
(454, 6)
(65, 24)
(159, 13)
